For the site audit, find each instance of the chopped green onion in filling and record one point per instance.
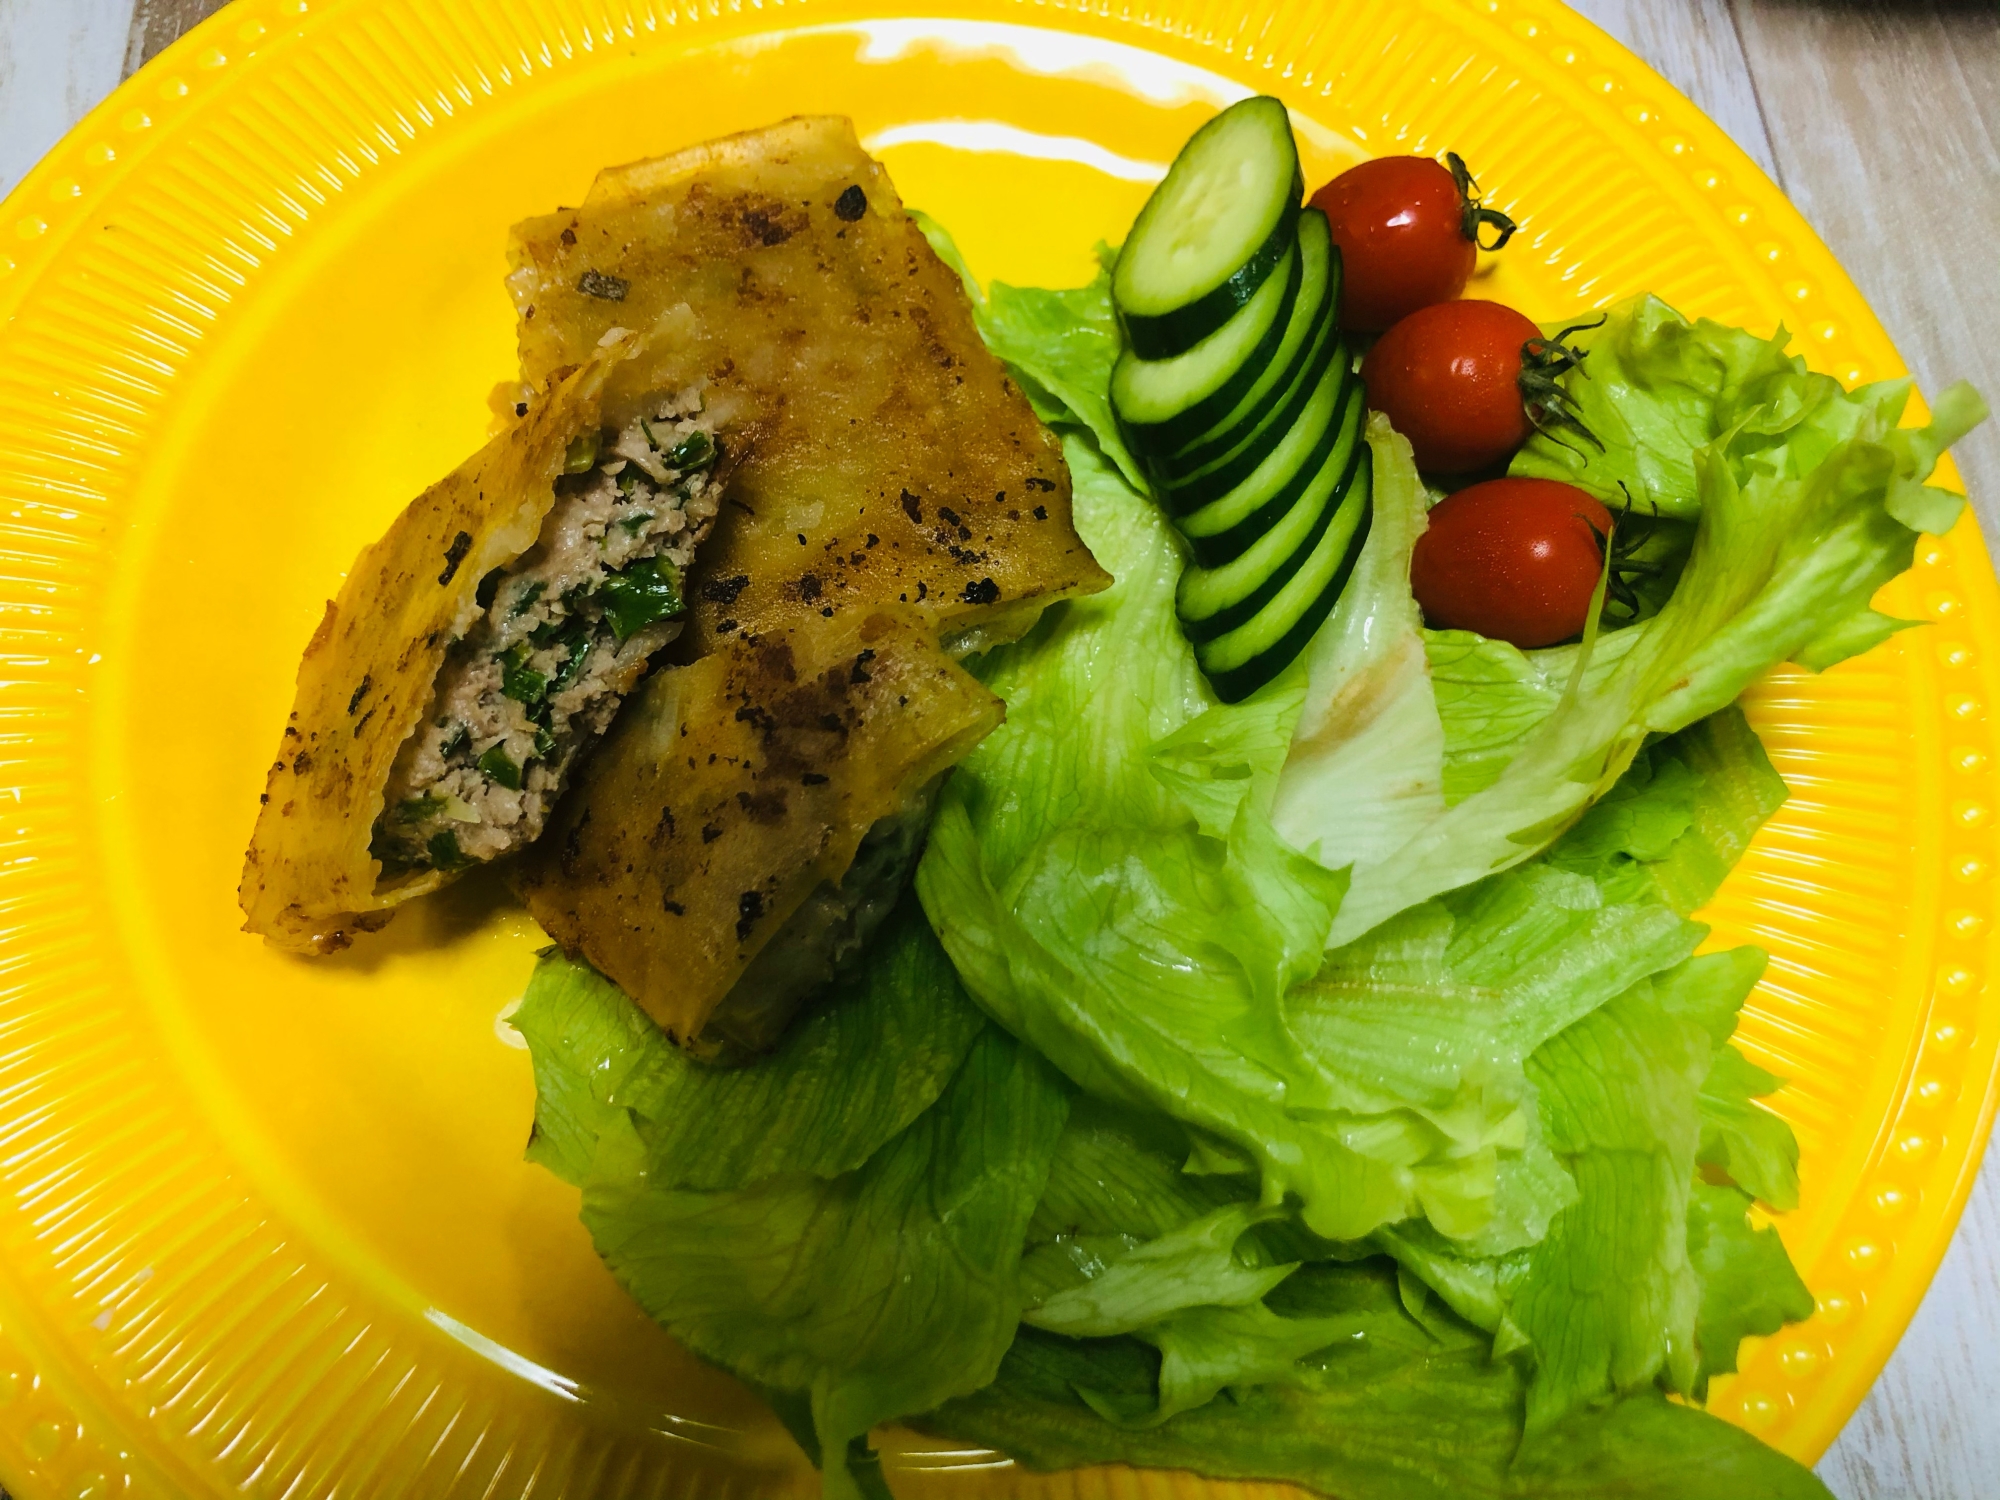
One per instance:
(567, 629)
(692, 452)
(518, 680)
(644, 593)
(499, 766)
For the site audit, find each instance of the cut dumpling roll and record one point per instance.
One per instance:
(478, 649)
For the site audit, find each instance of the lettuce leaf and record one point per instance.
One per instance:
(878, 1293)
(1104, 874)
(1122, 1288)
(1629, 1098)
(841, 1223)
(1742, 1138)
(1748, 1284)
(1808, 499)
(1395, 1409)
(1608, 1301)
(819, 1104)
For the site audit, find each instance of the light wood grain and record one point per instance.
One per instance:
(1886, 125)
(156, 24)
(57, 59)
(1881, 119)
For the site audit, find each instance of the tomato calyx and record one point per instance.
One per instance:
(1473, 215)
(1549, 407)
(1629, 532)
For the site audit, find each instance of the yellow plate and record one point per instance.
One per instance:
(264, 1224)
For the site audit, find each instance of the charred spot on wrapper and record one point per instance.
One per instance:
(604, 288)
(454, 555)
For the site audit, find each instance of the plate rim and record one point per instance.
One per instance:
(58, 194)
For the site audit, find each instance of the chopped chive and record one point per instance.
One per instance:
(444, 852)
(525, 600)
(582, 455)
(545, 743)
(692, 452)
(572, 667)
(652, 438)
(417, 809)
(454, 742)
(643, 594)
(628, 483)
(498, 766)
(518, 680)
(636, 522)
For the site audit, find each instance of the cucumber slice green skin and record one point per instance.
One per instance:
(1222, 531)
(1212, 231)
(1207, 381)
(1239, 397)
(1210, 603)
(1180, 450)
(1235, 682)
(1179, 331)
(1191, 492)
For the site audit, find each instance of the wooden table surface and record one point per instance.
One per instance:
(1881, 120)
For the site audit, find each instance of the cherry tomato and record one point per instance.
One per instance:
(1448, 377)
(1515, 559)
(1405, 227)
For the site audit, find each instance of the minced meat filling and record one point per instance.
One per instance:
(568, 631)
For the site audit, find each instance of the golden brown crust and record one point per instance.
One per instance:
(897, 463)
(732, 787)
(309, 881)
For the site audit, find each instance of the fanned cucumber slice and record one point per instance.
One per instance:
(1183, 448)
(1240, 662)
(1223, 474)
(1330, 426)
(1204, 382)
(1212, 602)
(1212, 232)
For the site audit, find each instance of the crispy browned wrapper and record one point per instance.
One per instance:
(309, 881)
(731, 787)
(896, 461)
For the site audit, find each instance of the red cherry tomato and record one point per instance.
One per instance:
(1515, 559)
(1448, 377)
(1405, 226)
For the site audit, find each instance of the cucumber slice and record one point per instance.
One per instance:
(1212, 602)
(1212, 232)
(1239, 663)
(1327, 431)
(1206, 381)
(1183, 447)
(1191, 490)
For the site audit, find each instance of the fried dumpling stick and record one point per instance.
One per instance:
(480, 648)
(898, 463)
(752, 816)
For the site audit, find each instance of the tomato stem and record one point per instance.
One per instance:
(1549, 406)
(1629, 532)
(1473, 215)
